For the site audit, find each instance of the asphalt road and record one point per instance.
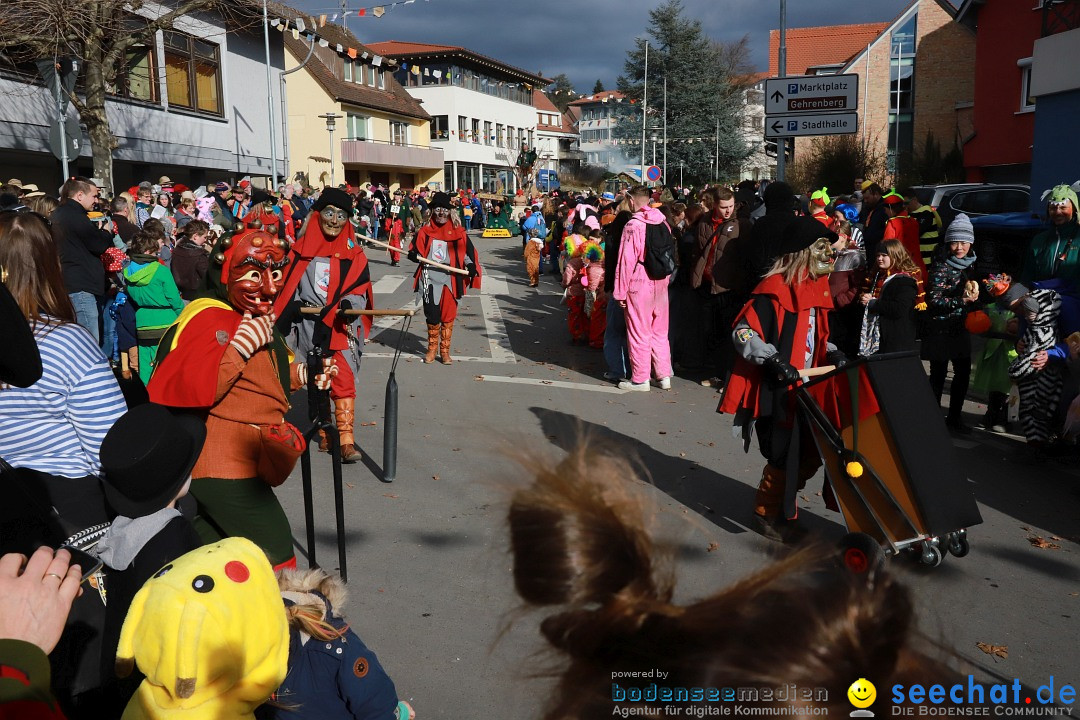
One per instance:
(429, 572)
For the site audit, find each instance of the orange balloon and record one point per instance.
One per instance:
(977, 322)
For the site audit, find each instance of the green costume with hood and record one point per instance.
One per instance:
(1055, 253)
(157, 302)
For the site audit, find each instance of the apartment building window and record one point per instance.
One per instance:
(487, 132)
(498, 134)
(440, 127)
(382, 81)
(399, 133)
(370, 75)
(1027, 100)
(137, 79)
(347, 72)
(462, 128)
(358, 127)
(193, 73)
(475, 130)
(511, 132)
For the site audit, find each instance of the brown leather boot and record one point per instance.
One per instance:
(345, 415)
(324, 442)
(432, 343)
(444, 344)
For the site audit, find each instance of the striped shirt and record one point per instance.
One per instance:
(57, 424)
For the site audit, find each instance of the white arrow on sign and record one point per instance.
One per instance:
(778, 126)
(811, 94)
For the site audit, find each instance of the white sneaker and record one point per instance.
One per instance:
(664, 383)
(630, 385)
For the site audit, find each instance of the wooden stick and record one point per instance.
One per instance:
(378, 312)
(432, 263)
(815, 371)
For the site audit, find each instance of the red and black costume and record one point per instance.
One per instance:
(329, 269)
(442, 240)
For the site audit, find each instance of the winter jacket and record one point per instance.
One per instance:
(1046, 248)
(189, 266)
(896, 310)
(80, 243)
(630, 270)
(151, 287)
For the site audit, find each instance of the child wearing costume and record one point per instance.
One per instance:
(574, 289)
(208, 633)
(146, 462)
(332, 674)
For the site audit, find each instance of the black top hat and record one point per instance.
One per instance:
(146, 458)
(333, 196)
(803, 232)
(439, 200)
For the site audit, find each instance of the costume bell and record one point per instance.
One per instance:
(444, 241)
(224, 357)
(781, 330)
(329, 269)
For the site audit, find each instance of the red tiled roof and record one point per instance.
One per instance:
(401, 49)
(542, 102)
(599, 97)
(392, 100)
(815, 46)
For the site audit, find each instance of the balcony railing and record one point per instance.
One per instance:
(1060, 16)
(390, 154)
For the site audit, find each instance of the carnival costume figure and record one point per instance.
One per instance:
(329, 270)
(443, 240)
(224, 357)
(782, 329)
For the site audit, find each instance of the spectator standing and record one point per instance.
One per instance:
(120, 209)
(143, 203)
(900, 226)
(947, 339)
(153, 291)
(872, 216)
(51, 431)
(645, 300)
(929, 225)
(889, 319)
(81, 243)
(1055, 253)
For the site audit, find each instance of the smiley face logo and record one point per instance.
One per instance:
(862, 693)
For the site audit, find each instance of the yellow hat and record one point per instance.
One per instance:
(866, 184)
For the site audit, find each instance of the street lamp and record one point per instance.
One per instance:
(654, 136)
(331, 119)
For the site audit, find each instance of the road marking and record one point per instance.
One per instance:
(605, 388)
(494, 285)
(387, 284)
(498, 340)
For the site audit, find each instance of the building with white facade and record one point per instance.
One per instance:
(192, 105)
(595, 125)
(556, 139)
(481, 110)
(757, 165)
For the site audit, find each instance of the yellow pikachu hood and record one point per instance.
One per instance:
(209, 632)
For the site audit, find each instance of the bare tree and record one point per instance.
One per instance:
(102, 34)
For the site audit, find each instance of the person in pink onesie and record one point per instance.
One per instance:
(645, 300)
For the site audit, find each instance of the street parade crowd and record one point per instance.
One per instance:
(153, 340)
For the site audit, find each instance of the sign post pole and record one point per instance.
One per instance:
(781, 68)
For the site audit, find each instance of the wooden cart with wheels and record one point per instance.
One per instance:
(889, 460)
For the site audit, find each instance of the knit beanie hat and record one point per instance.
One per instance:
(1060, 194)
(960, 230)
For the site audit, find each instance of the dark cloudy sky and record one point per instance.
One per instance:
(587, 39)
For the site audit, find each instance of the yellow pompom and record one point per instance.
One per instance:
(854, 469)
(921, 306)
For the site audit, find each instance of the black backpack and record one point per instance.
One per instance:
(659, 260)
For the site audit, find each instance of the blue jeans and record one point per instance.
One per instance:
(88, 312)
(615, 340)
